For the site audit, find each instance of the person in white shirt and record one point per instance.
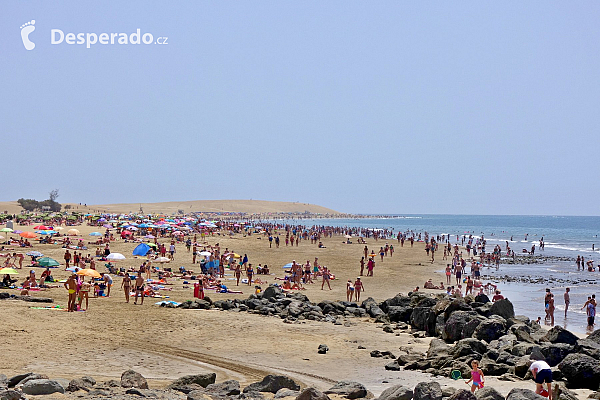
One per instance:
(542, 374)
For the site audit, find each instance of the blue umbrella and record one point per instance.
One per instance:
(288, 265)
(95, 234)
(141, 250)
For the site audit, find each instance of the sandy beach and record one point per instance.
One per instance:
(164, 344)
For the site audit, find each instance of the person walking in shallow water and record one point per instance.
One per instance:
(567, 300)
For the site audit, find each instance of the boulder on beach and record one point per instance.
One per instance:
(581, 371)
(397, 392)
(348, 389)
(42, 386)
(202, 380)
(463, 394)
(524, 394)
(312, 394)
(84, 383)
(488, 393)
(503, 308)
(9, 394)
(427, 391)
(227, 388)
(130, 378)
(271, 384)
(558, 334)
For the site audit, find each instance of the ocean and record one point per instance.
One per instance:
(565, 238)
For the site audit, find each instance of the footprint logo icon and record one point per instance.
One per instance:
(26, 29)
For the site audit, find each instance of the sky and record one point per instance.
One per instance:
(364, 107)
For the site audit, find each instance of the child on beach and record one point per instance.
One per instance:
(477, 377)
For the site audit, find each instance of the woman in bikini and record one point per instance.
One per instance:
(126, 286)
(238, 274)
(84, 293)
(349, 290)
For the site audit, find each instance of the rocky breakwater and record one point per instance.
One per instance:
(463, 329)
(204, 387)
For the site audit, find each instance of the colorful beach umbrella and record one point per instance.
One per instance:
(8, 271)
(95, 234)
(41, 228)
(141, 250)
(28, 235)
(73, 232)
(89, 272)
(161, 260)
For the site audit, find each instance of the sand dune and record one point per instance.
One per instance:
(172, 207)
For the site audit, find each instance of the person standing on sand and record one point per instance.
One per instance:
(126, 286)
(249, 273)
(71, 286)
(326, 277)
(139, 288)
(448, 273)
(567, 300)
(238, 274)
(349, 290)
(67, 258)
(358, 287)
(362, 266)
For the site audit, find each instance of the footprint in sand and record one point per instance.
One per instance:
(26, 29)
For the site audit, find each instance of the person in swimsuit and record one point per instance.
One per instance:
(126, 286)
(326, 277)
(567, 300)
(139, 288)
(238, 274)
(358, 287)
(84, 293)
(448, 274)
(249, 274)
(71, 286)
(349, 290)
(477, 377)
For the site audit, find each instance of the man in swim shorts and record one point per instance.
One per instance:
(139, 288)
(71, 286)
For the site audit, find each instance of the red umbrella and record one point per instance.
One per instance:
(41, 228)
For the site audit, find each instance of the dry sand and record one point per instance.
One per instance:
(164, 344)
(173, 207)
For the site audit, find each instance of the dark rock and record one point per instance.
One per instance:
(312, 394)
(589, 347)
(523, 394)
(427, 391)
(437, 347)
(503, 308)
(135, 392)
(272, 291)
(522, 366)
(83, 383)
(468, 347)
(14, 381)
(42, 386)
(448, 391)
(482, 298)
(556, 352)
(252, 395)
(271, 384)
(130, 378)
(397, 392)
(393, 366)
(581, 371)
(423, 319)
(3, 381)
(202, 380)
(558, 334)
(10, 395)
(227, 388)
(462, 394)
(372, 308)
(594, 336)
(490, 329)
(323, 349)
(488, 393)
(456, 305)
(348, 389)
(404, 359)
(32, 377)
(197, 395)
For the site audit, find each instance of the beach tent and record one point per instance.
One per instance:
(141, 250)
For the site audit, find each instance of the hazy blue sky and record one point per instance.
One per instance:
(381, 107)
